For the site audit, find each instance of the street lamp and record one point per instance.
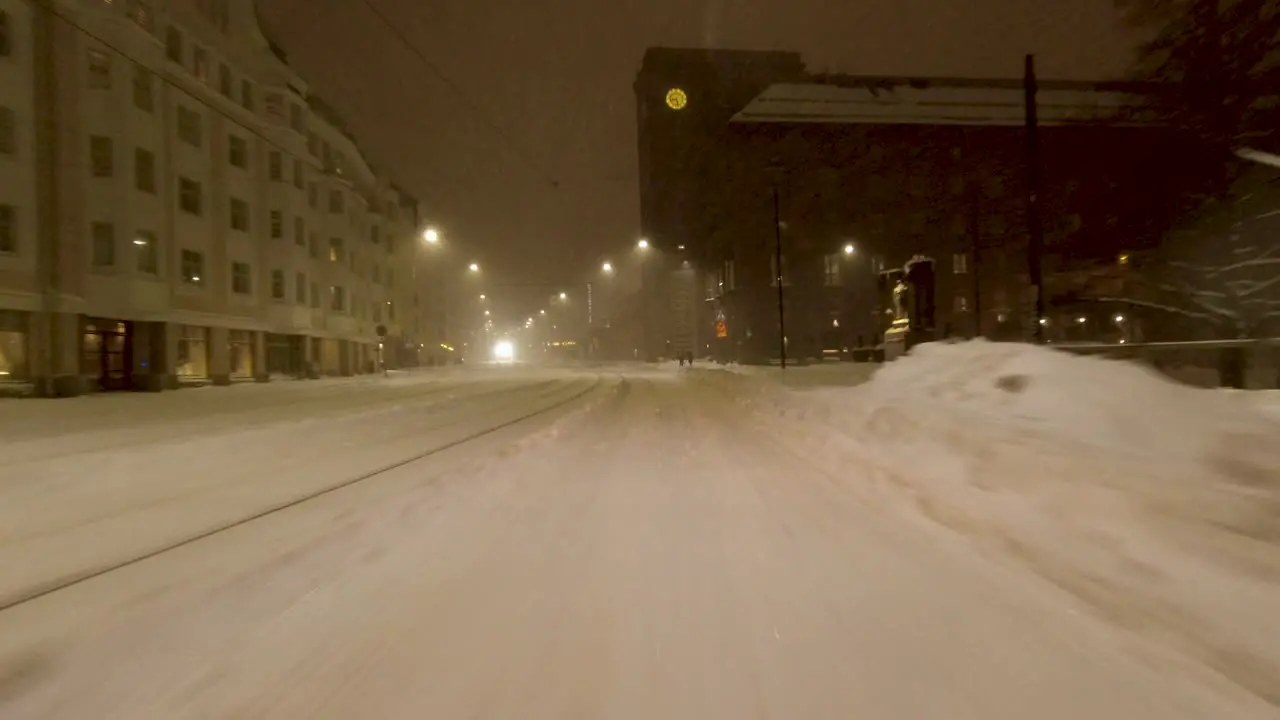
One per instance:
(474, 267)
(564, 296)
(482, 296)
(607, 267)
(643, 244)
(486, 312)
(849, 249)
(431, 235)
(540, 312)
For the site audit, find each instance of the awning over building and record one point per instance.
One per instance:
(940, 102)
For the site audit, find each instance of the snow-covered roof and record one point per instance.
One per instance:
(938, 103)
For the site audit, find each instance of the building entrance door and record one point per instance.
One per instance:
(108, 353)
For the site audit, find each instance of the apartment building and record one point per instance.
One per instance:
(176, 207)
(746, 156)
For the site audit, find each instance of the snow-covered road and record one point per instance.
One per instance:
(640, 550)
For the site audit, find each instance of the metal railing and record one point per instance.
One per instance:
(1243, 364)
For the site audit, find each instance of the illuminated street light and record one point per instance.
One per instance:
(1119, 319)
(482, 296)
(607, 267)
(849, 249)
(643, 244)
(540, 312)
(564, 296)
(474, 267)
(486, 312)
(431, 235)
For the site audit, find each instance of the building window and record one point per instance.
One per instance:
(192, 268)
(277, 224)
(962, 303)
(959, 225)
(189, 126)
(8, 230)
(275, 166)
(391, 278)
(241, 283)
(337, 201)
(238, 151)
(224, 79)
(313, 245)
(300, 288)
(337, 298)
(200, 63)
(390, 244)
(831, 270)
(277, 285)
(960, 263)
(335, 249)
(239, 215)
(246, 94)
(190, 196)
(6, 35)
(315, 295)
(300, 232)
(8, 132)
(298, 179)
(146, 253)
(104, 244)
(144, 170)
(101, 162)
(143, 95)
(295, 118)
(140, 13)
(273, 102)
(99, 69)
(313, 196)
(173, 44)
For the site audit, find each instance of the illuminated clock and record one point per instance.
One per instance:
(677, 99)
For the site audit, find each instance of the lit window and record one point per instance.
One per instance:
(192, 267)
(146, 252)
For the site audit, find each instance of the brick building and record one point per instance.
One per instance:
(870, 171)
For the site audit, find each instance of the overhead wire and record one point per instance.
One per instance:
(461, 94)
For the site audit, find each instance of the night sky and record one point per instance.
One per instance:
(556, 76)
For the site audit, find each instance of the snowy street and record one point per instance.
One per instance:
(625, 542)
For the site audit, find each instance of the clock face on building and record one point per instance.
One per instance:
(677, 99)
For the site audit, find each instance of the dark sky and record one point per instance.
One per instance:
(556, 76)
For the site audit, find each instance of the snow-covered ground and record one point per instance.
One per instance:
(676, 545)
(1155, 503)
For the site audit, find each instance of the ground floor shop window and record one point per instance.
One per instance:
(241, 348)
(193, 352)
(13, 355)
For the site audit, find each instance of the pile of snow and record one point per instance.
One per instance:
(1157, 503)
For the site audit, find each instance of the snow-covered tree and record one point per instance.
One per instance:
(1220, 270)
(1215, 65)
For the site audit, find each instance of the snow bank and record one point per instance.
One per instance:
(1156, 502)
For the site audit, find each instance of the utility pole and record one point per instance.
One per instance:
(1035, 245)
(778, 275)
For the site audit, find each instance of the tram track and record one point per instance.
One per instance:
(35, 591)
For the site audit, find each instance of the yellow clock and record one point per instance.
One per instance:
(677, 99)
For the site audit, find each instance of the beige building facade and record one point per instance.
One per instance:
(175, 207)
